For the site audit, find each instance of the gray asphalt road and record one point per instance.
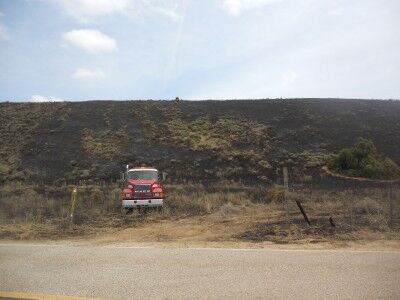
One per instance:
(129, 272)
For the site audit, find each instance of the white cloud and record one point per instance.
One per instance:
(235, 7)
(86, 74)
(39, 98)
(92, 41)
(171, 13)
(89, 10)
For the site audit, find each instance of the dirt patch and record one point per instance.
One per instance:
(282, 232)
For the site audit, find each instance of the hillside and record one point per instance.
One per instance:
(245, 140)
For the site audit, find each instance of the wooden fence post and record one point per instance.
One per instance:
(303, 212)
(73, 203)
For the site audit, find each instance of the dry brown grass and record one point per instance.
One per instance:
(196, 214)
(357, 214)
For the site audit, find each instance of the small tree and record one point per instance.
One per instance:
(363, 151)
(345, 159)
(363, 160)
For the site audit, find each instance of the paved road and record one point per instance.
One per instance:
(130, 272)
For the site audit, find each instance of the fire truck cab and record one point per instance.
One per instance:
(143, 188)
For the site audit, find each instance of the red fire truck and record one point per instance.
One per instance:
(144, 188)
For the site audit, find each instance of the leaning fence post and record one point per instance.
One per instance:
(286, 192)
(73, 203)
(303, 212)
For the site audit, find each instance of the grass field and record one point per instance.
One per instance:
(221, 214)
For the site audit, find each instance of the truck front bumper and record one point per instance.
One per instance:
(143, 203)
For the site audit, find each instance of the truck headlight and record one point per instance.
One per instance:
(156, 194)
(127, 195)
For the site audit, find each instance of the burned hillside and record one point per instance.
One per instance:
(239, 140)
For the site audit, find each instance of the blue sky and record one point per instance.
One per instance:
(208, 49)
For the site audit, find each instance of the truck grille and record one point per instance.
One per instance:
(142, 190)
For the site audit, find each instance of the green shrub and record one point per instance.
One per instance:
(311, 159)
(106, 143)
(216, 135)
(363, 160)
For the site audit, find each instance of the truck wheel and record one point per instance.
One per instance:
(125, 211)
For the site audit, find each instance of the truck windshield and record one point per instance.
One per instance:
(143, 175)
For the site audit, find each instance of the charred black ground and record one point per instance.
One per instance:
(240, 140)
